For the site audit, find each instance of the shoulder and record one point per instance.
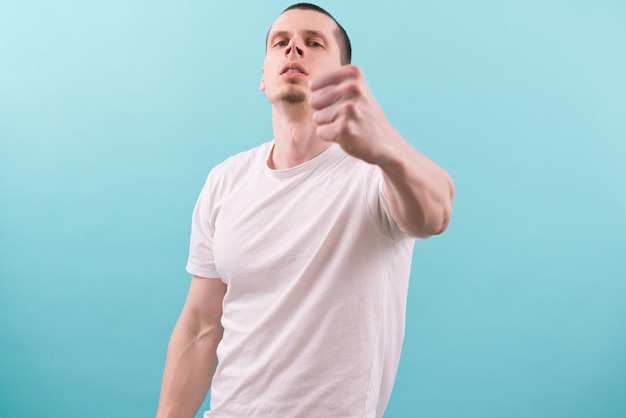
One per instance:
(239, 165)
(244, 160)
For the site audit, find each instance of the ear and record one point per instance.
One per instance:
(262, 84)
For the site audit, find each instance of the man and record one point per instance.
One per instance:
(301, 248)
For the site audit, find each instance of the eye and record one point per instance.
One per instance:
(315, 44)
(281, 43)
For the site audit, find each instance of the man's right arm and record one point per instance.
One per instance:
(191, 354)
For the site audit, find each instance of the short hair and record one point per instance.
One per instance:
(345, 48)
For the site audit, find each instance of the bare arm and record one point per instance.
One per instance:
(191, 354)
(419, 192)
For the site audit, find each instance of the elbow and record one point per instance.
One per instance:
(445, 209)
(200, 330)
(435, 225)
(444, 219)
(210, 334)
(433, 219)
(426, 213)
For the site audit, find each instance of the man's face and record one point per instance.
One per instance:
(300, 45)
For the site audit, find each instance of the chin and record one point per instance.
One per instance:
(293, 97)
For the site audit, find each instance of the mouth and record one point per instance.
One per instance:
(293, 69)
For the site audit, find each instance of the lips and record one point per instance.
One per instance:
(293, 68)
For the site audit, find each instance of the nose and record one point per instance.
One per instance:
(294, 47)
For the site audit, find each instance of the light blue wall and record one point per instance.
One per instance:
(112, 113)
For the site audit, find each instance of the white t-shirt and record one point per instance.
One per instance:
(317, 274)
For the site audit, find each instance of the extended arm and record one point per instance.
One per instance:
(191, 354)
(419, 192)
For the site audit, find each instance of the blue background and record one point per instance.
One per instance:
(112, 114)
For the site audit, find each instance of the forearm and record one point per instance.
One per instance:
(189, 368)
(419, 192)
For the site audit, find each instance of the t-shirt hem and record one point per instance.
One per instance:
(202, 272)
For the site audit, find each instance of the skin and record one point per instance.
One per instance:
(191, 354)
(338, 106)
(321, 103)
(304, 38)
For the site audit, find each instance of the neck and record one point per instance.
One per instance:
(295, 140)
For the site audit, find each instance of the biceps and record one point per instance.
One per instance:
(203, 306)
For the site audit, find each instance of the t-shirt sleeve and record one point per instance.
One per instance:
(379, 206)
(201, 262)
